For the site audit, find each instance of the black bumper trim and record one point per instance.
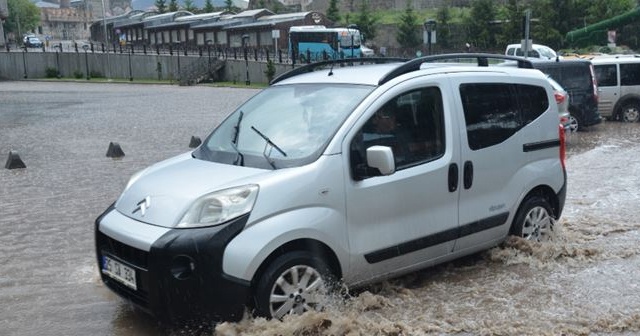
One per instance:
(202, 294)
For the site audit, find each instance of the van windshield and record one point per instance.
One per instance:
(282, 126)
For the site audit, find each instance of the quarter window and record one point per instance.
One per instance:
(630, 74)
(494, 111)
(606, 75)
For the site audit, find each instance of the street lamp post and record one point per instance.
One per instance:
(245, 39)
(106, 40)
(178, 53)
(24, 61)
(57, 48)
(86, 59)
(430, 29)
(209, 54)
(130, 68)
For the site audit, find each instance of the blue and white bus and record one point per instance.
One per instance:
(316, 43)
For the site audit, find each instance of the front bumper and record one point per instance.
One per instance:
(179, 277)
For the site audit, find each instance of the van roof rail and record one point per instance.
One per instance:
(482, 59)
(340, 62)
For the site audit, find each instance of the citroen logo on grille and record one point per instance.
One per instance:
(143, 205)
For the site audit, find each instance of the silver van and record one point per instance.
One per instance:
(340, 172)
(618, 79)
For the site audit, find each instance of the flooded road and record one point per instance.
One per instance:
(585, 282)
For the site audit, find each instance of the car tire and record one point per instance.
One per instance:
(534, 220)
(293, 283)
(630, 112)
(574, 123)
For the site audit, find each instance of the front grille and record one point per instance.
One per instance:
(133, 257)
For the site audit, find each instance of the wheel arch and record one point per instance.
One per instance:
(312, 246)
(624, 100)
(545, 192)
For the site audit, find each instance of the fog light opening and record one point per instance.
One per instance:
(182, 267)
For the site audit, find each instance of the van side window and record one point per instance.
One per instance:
(412, 124)
(533, 102)
(493, 114)
(606, 75)
(630, 74)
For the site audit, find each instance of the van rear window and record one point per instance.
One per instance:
(571, 77)
(630, 74)
(494, 111)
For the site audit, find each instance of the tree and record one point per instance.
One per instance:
(228, 5)
(366, 21)
(161, 5)
(189, 6)
(332, 12)
(483, 13)
(511, 14)
(407, 34)
(208, 6)
(443, 17)
(24, 16)
(173, 5)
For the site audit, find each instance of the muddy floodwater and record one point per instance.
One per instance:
(586, 281)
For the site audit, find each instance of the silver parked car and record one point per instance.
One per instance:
(339, 174)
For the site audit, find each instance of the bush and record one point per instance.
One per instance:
(78, 74)
(271, 71)
(51, 72)
(95, 74)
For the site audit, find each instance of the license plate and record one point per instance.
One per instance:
(119, 272)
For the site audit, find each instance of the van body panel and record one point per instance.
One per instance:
(468, 144)
(578, 79)
(295, 203)
(170, 186)
(618, 83)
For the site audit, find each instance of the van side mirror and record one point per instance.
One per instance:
(381, 157)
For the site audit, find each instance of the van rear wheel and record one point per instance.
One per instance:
(630, 113)
(534, 220)
(294, 283)
(574, 123)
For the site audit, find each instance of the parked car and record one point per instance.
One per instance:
(562, 99)
(537, 51)
(618, 86)
(33, 42)
(347, 174)
(577, 77)
(366, 51)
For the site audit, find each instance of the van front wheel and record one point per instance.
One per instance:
(294, 283)
(630, 112)
(534, 220)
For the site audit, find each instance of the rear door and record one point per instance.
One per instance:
(494, 132)
(608, 88)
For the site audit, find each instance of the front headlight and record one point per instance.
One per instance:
(219, 207)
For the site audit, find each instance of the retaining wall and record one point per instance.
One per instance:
(18, 65)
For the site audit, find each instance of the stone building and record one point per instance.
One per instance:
(4, 14)
(71, 20)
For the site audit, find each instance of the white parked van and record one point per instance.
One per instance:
(618, 86)
(537, 51)
(339, 174)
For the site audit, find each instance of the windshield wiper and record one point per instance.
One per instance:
(269, 143)
(234, 141)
